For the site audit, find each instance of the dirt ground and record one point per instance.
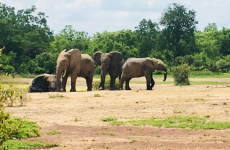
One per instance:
(77, 116)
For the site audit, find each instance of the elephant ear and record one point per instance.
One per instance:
(97, 58)
(75, 57)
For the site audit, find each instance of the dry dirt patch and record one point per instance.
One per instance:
(77, 116)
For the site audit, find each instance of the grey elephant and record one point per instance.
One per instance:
(43, 83)
(68, 62)
(110, 63)
(79, 65)
(87, 70)
(137, 67)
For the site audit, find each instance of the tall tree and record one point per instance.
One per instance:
(180, 26)
(147, 37)
(70, 38)
(24, 33)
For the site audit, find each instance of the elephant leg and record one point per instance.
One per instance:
(102, 84)
(112, 82)
(148, 82)
(152, 82)
(121, 84)
(89, 84)
(73, 82)
(127, 84)
(64, 81)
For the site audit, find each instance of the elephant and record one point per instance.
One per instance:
(87, 70)
(110, 63)
(43, 83)
(137, 67)
(68, 62)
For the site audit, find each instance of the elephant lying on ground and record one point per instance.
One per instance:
(79, 65)
(43, 83)
(110, 63)
(137, 67)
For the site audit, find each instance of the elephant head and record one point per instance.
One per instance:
(68, 62)
(44, 83)
(159, 65)
(110, 63)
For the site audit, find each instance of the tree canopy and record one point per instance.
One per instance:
(29, 45)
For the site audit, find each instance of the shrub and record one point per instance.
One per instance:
(180, 74)
(107, 83)
(8, 96)
(12, 127)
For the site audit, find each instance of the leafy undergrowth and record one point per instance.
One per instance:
(184, 122)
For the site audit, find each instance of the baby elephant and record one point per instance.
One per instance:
(43, 83)
(137, 67)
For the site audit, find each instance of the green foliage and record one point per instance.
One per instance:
(15, 145)
(184, 122)
(28, 45)
(180, 74)
(108, 133)
(9, 97)
(107, 83)
(109, 119)
(25, 34)
(12, 127)
(53, 132)
(55, 95)
(180, 26)
(97, 95)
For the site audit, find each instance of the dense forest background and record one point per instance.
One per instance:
(29, 45)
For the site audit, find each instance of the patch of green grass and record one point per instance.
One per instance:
(208, 74)
(108, 133)
(53, 132)
(27, 129)
(199, 99)
(97, 95)
(184, 122)
(132, 140)
(15, 145)
(109, 119)
(55, 95)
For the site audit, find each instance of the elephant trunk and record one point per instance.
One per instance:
(165, 74)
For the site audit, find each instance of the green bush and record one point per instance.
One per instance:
(180, 74)
(107, 83)
(12, 127)
(9, 97)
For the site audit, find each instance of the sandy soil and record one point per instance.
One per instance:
(77, 116)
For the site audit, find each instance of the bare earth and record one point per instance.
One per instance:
(77, 116)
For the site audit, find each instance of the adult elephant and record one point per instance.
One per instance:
(110, 63)
(43, 83)
(68, 62)
(87, 70)
(137, 67)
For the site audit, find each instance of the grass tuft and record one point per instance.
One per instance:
(53, 132)
(109, 119)
(56, 96)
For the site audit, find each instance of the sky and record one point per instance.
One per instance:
(94, 16)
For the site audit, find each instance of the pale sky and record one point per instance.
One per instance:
(94, 16)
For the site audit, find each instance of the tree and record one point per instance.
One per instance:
(180, 26)
(147, 37)
(69, 38)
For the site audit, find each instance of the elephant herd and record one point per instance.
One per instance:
(72, 62)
